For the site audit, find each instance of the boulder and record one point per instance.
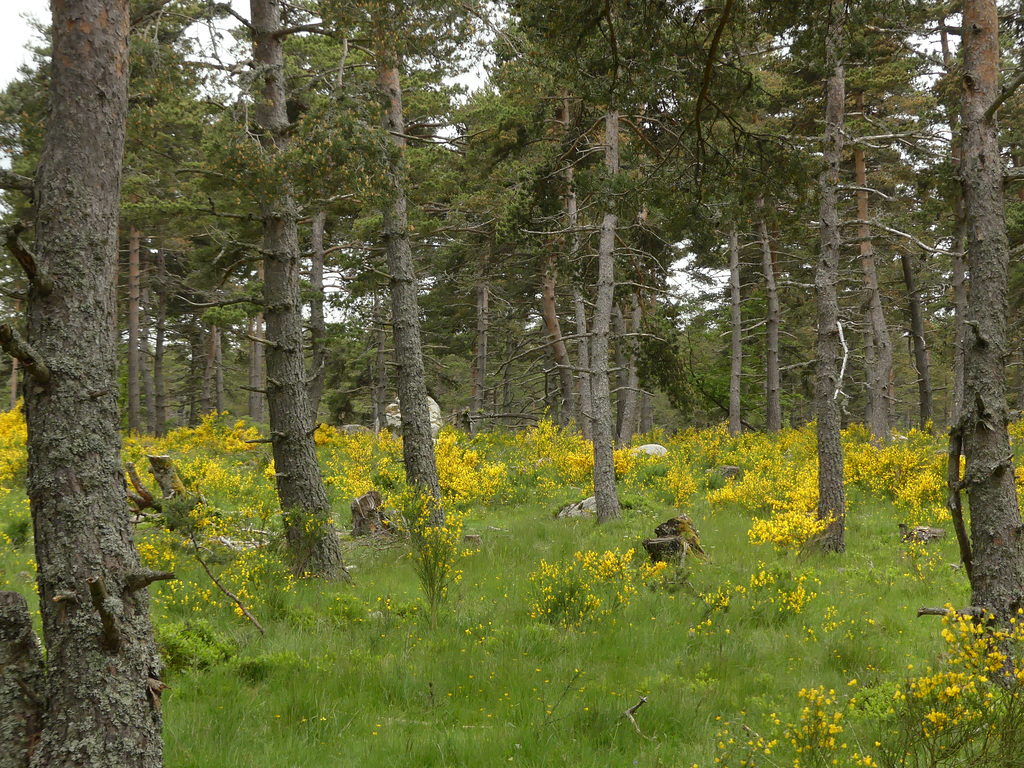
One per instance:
(354, 429)
(652, 449)
(726, 471)
(393, 417)
(585, 508)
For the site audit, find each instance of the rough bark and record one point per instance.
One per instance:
(736, 329)
(483, 322)
(317, 323)
(100, 706)
(309, 530)
(921, 361)
(555, 340)
(880, 370)
(831, 494)
(22, 682)
(134, 390)
(604, 450)
(417, 443)
(997, 577)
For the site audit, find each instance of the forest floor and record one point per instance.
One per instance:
(556, 641)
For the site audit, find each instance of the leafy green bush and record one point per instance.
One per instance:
(192, 644)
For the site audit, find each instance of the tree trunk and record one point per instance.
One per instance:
(880, 373)
(557, 344)
(209, 370)
(630, 394)
(417, 442)
(159, 385)
(772, 385)
(736, 327)
(586, 392)
(146, 362)
(380, 367)
(607, 495)
(479, 384)
(311, 535)
(317, 324)
(101, 704)
(831, 494)
(621, 373)
(921, 362)
(582, 401)
(257, 379)
(997, 576)
(218, 372)
(22, 682)
(646, 412)
(134, 409)
(14, 364)
(957, 257)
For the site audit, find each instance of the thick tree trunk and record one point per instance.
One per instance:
(736, 331)
(921, 362)
(557, 344)
(831, 494)
(607, 495)
(317, 323)
(479, 384)
(159, 385)
(101, 705)
(997, 576)
(22, 682)
(417, 442)
(134, 408)
(309, 530)
(880, 370)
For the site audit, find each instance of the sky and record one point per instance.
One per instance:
(15, 33)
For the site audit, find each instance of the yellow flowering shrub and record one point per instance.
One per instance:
(788, 529)
(588, 586)
(557, 457)
(13, 458)
(463, 474)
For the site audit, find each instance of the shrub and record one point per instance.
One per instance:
(192, 644)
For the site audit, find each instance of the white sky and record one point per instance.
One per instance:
(15, 34)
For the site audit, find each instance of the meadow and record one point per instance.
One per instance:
(543, 642)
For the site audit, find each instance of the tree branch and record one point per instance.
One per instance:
(16, 182)
(39, 279)
(1006, 92)
(18, 348)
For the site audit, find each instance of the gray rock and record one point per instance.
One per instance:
(652, 449)
(585, 508)
(393, 417)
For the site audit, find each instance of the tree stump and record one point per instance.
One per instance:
(367, 517)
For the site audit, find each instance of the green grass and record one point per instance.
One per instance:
(358, 675)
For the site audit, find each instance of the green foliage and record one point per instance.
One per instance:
(192, 644)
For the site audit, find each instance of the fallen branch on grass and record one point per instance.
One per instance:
(222, 588)
(628, 714)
